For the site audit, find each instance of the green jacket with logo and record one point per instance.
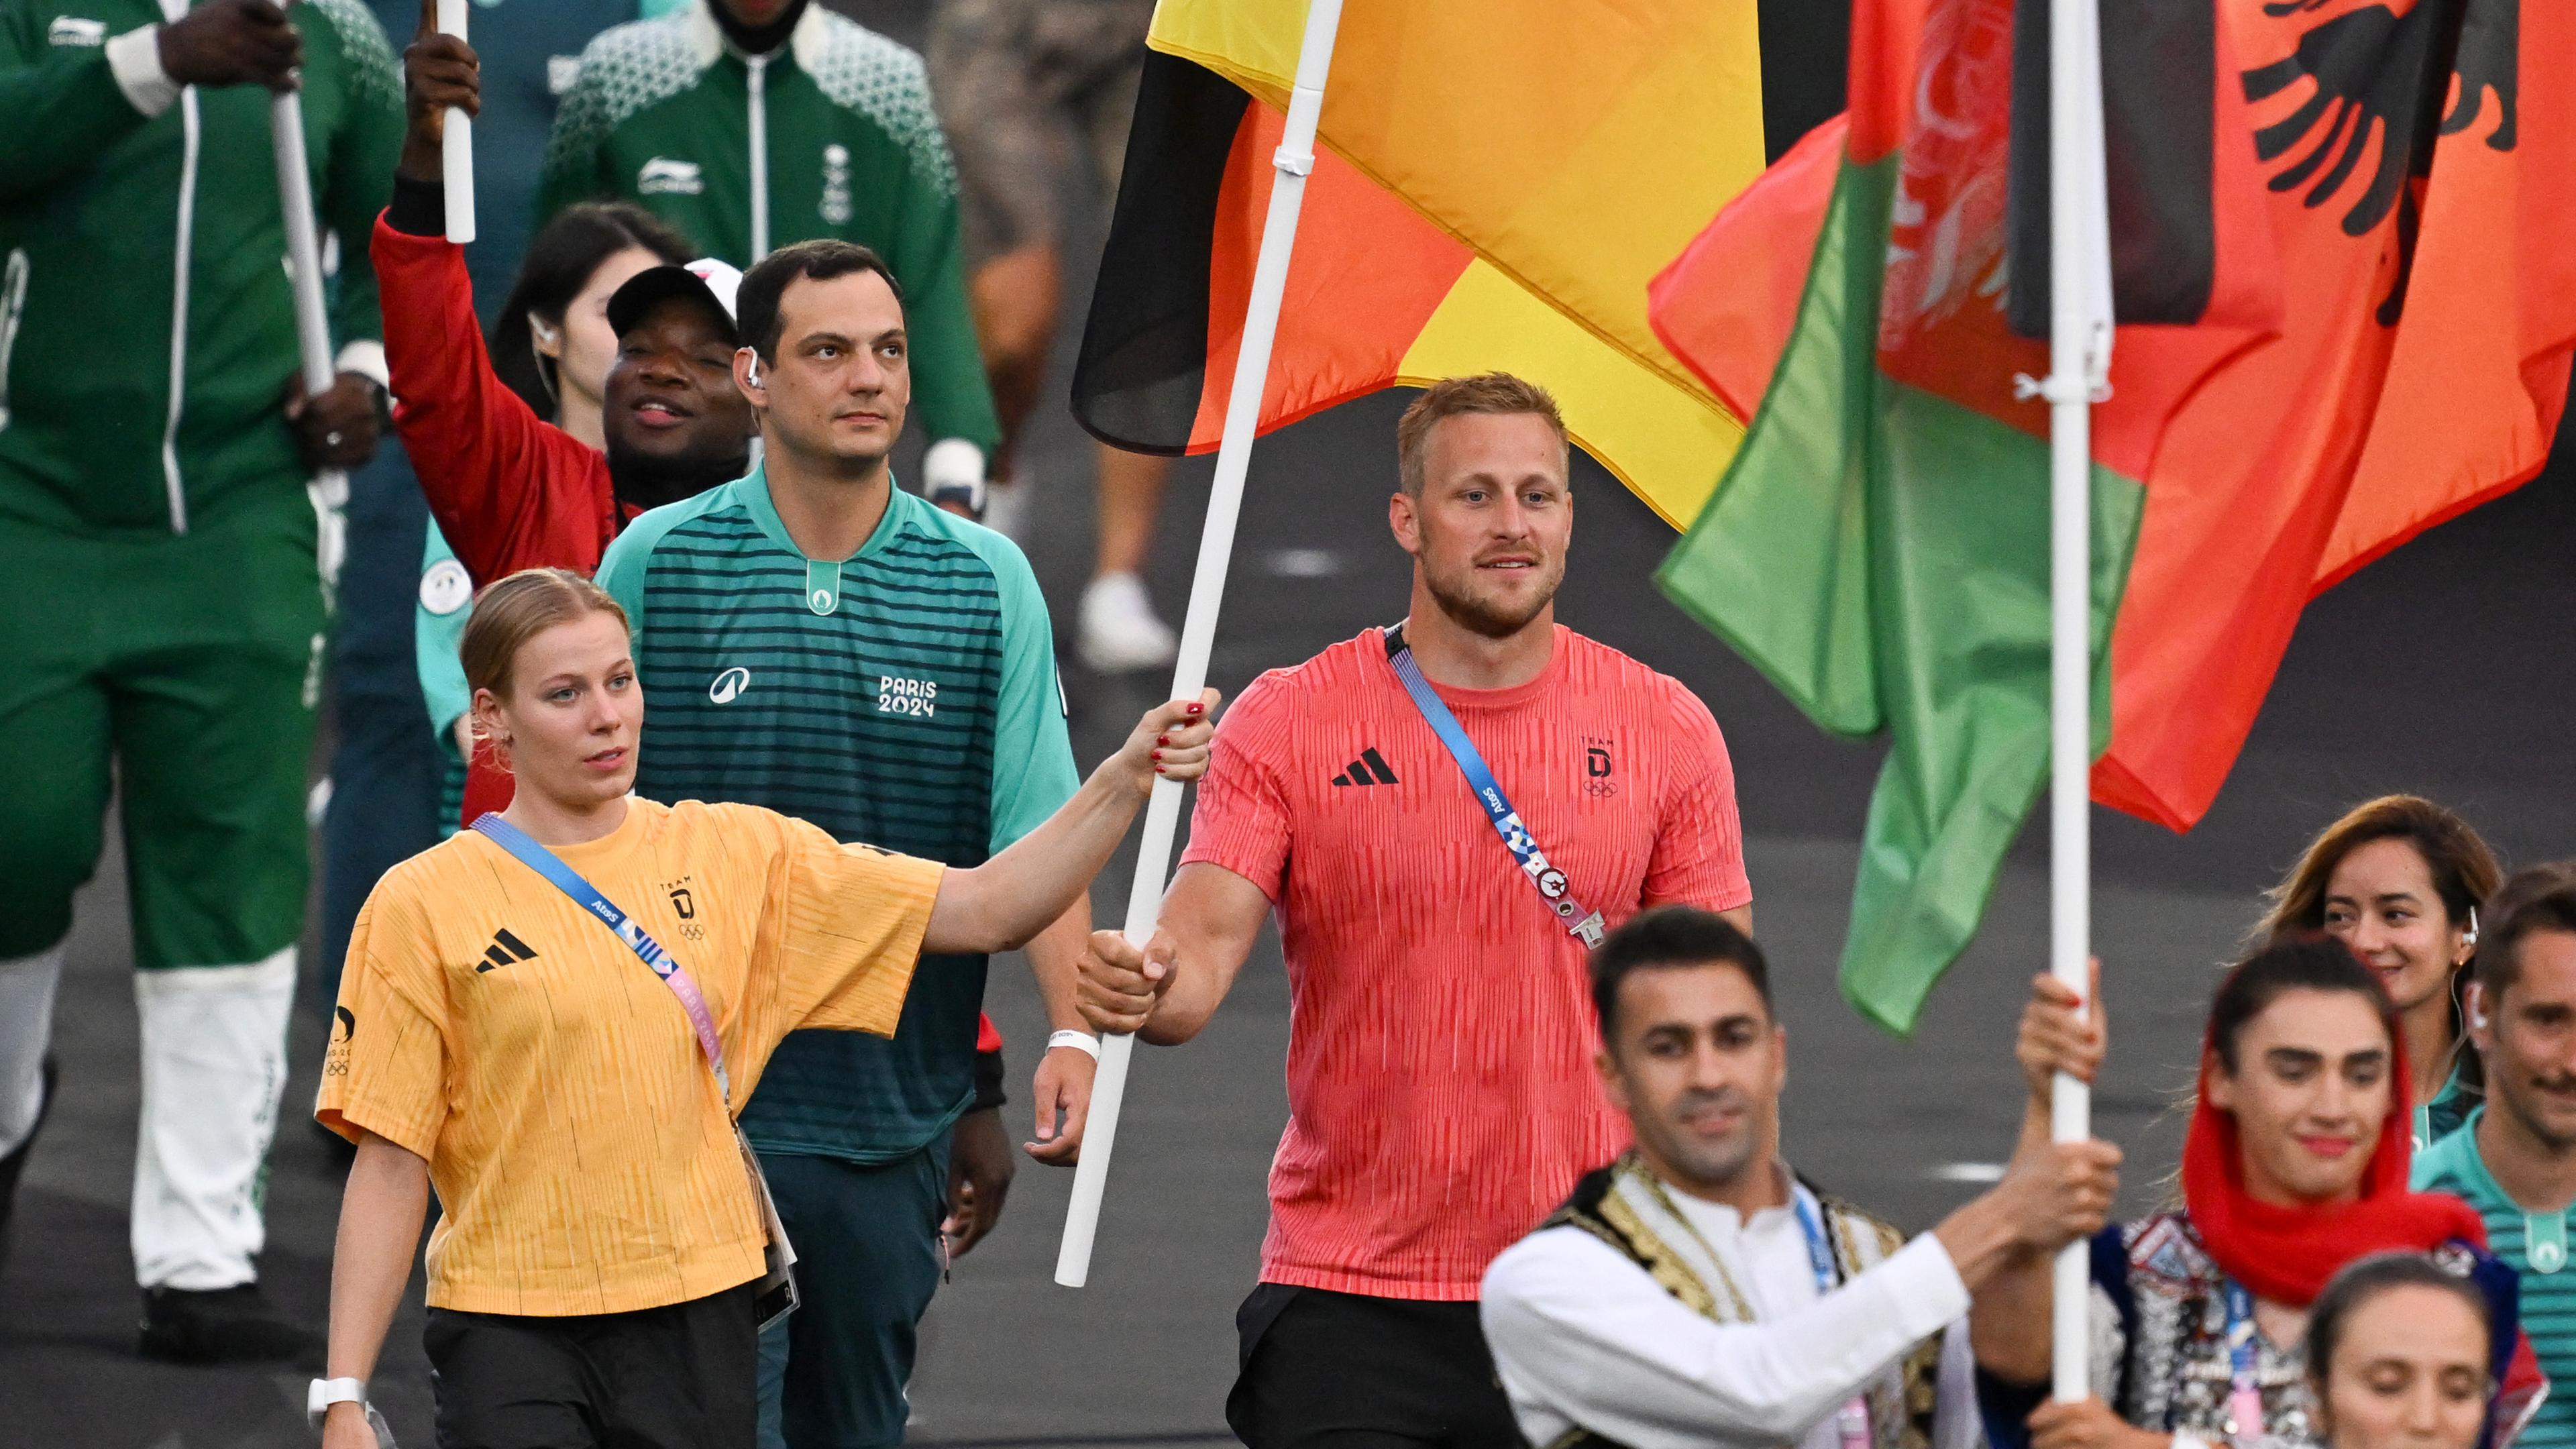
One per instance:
(665, 112)
(147, 324)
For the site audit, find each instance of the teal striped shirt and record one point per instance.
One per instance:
(905, 696)
(2536, 1245)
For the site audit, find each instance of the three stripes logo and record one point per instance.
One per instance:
(1369, 769)
(505, 950)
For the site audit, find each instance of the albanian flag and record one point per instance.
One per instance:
(2423, 199)
(1497, 182)
(1879, 546)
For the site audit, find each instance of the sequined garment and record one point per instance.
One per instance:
(2172, 1371)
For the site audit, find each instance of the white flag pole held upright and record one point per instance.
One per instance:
(2079, 361)
(456, 143)
(330, 487)
(1294, 158)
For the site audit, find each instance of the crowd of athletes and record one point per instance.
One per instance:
(632, 448)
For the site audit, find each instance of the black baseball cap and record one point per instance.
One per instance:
(706, 280)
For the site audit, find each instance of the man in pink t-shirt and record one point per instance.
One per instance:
(1441, 1093)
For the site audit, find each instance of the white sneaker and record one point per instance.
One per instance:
(1120, 633)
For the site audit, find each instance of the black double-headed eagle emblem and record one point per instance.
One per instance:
(2380, 82)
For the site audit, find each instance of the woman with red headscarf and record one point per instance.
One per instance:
(2294, 1165)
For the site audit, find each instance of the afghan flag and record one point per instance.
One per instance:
(1879, 547)
(1497, 182)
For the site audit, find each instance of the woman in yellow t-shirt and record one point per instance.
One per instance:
(592, 1274)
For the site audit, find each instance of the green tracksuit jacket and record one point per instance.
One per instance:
(147, 326)
(831, 135)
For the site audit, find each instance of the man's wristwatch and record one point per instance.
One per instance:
(326, 1392)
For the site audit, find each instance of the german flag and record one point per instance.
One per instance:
(1498, 181)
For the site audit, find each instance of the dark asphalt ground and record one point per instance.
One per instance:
(2444, 669)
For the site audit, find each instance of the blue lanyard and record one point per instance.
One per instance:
(564, 878)
(2245, 1390)
(1550, 882)
(1820, 1256)
(1851, 1421)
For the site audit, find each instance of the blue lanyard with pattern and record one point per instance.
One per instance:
(564, 878)
(1583, 925)
(1851, 1421)
(2245, 1390)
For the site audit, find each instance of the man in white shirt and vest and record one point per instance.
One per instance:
(1697, 1292)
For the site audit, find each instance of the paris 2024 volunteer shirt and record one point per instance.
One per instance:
(1441, 1096)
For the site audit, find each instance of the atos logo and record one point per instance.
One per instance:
(729, 685)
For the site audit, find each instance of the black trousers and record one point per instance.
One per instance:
(1326, 1370)
(676, 1377)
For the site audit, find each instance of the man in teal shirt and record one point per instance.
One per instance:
(2515, 1159)
(817, 641)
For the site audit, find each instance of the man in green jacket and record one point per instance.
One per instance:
(164, 600)
(752, 124)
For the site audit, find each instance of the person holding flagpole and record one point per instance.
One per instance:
(1695, 1292)
(601, 1264)
(2294, 1165)
(1446, 815)
(891, 677)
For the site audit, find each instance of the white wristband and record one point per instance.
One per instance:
(325, 1392)
(1081, 1041)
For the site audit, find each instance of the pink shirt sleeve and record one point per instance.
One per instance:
(1242, 820)
(1699, 843)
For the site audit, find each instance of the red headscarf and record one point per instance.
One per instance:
(2286, 1254)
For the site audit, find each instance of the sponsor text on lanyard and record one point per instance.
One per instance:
(1584, 925)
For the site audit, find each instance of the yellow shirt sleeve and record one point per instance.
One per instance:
(853, 917)
(386, 1070)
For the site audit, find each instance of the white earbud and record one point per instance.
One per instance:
(751, 370)
(544, 332)
(2469, 937)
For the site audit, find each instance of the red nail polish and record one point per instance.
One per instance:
(1158, 754)
(1197, 708)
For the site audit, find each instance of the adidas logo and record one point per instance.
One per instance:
(1369, 769)
(505, 950)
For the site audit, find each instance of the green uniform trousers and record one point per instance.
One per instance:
(189, 666)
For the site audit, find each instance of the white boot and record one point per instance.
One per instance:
(1120, 632)
(214, 1071)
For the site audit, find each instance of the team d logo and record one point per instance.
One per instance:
(729, 685)
(1551, 883)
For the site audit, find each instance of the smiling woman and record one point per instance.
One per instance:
(2294, 1166)
(2399, 879)
(607, 1253)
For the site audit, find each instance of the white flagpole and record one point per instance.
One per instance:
(1294, 158)
(2079, 367)
(330, 487)
(456, 144)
